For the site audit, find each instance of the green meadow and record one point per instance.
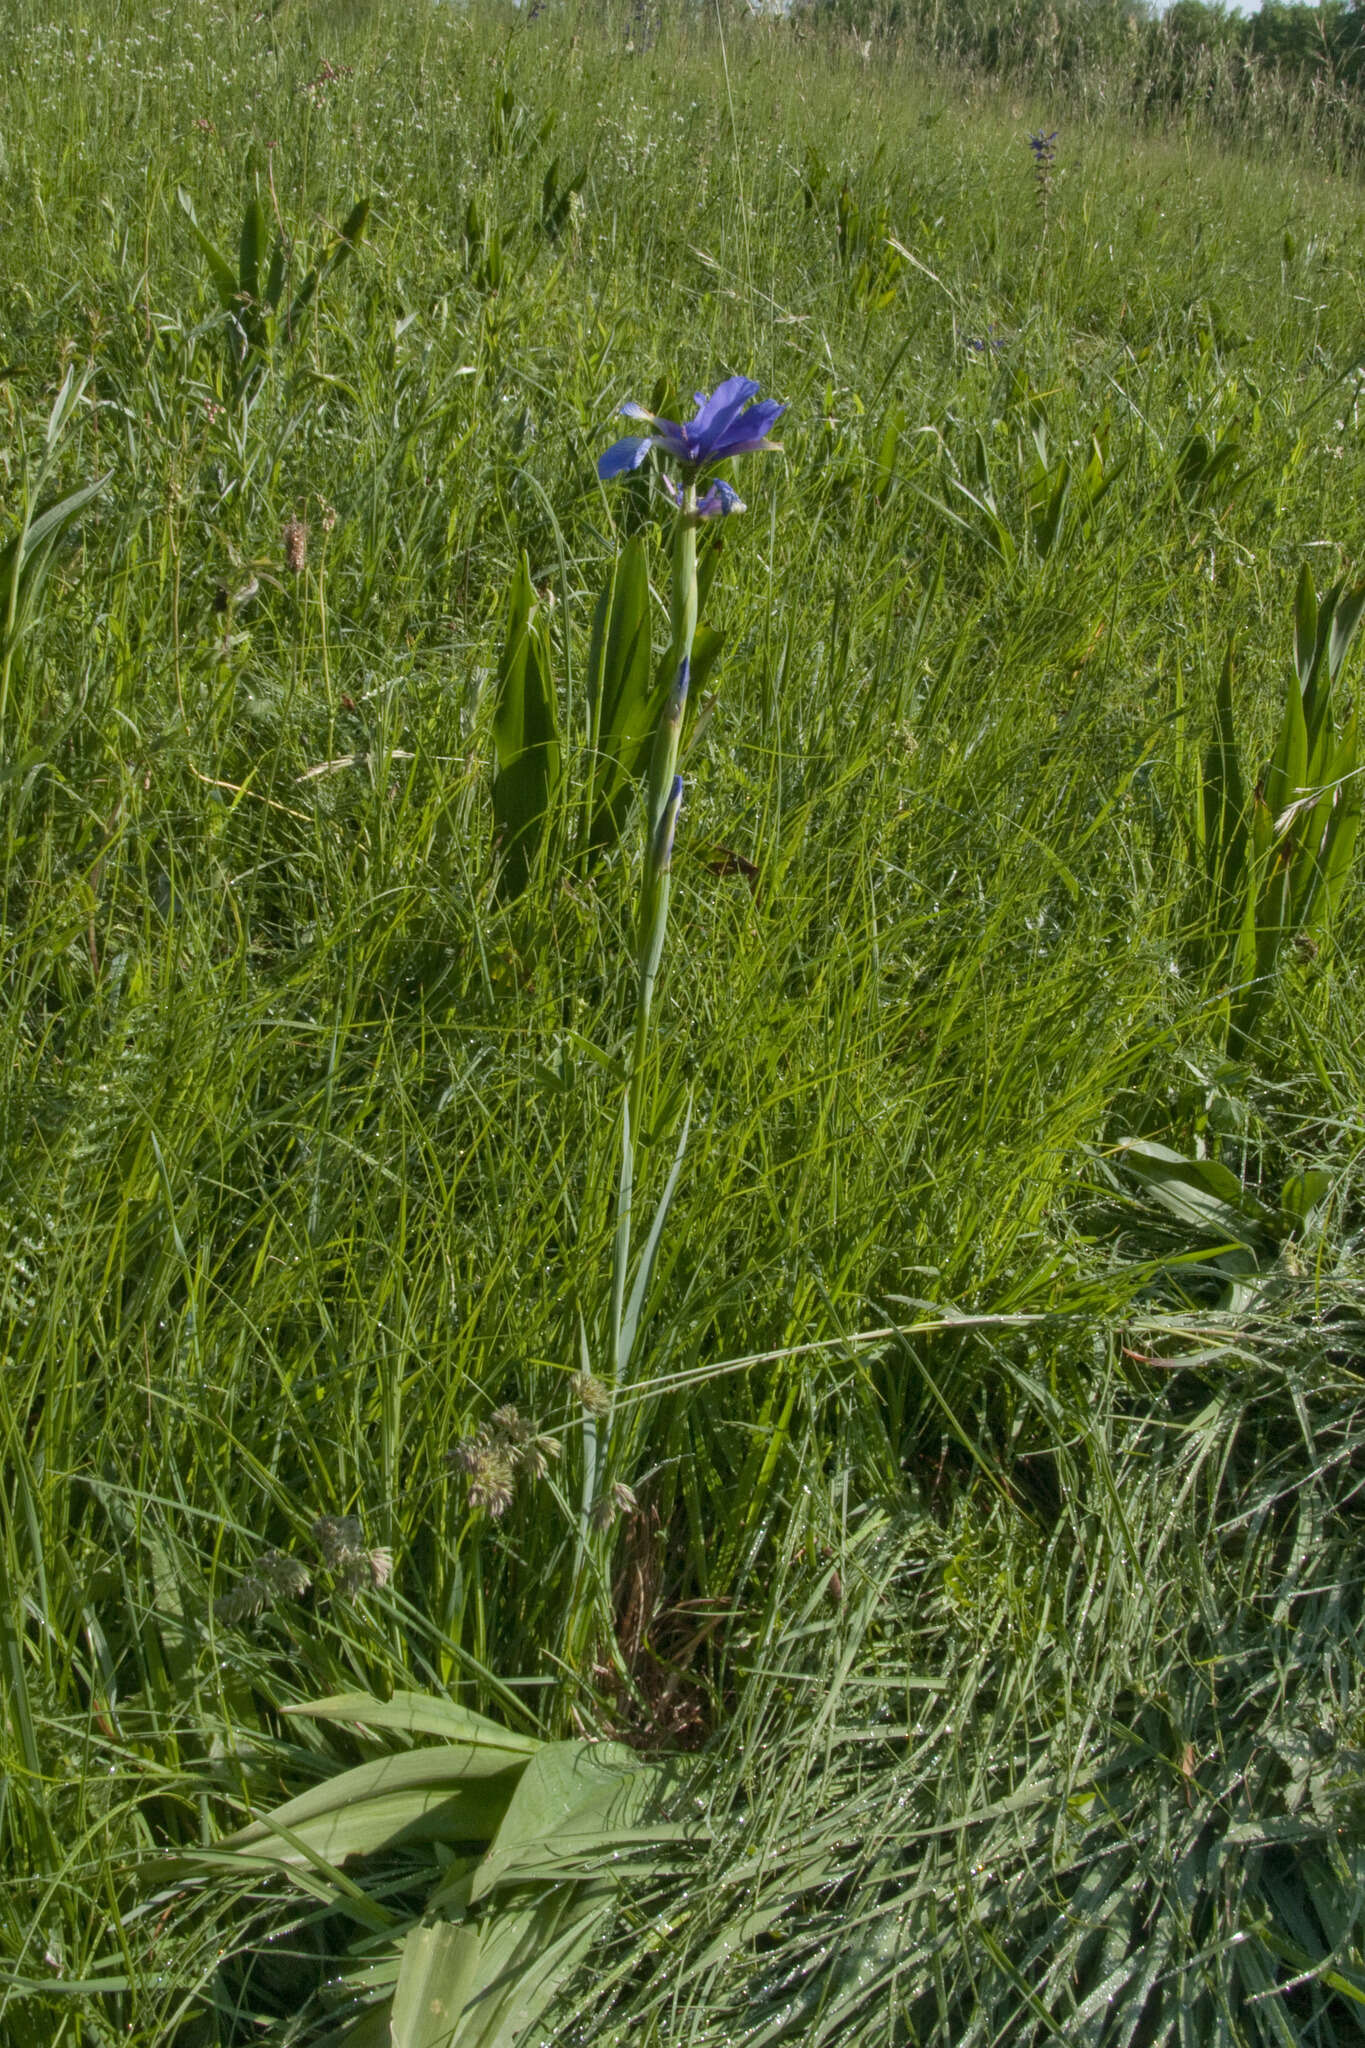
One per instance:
(942, 1623)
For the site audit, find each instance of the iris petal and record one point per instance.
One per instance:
(718, 500)
(718, 412)
(624, 455)
(677, 440)
(747, 433)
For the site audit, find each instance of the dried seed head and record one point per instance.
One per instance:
(619, 1499)
(603, 1513)
(493, 1485)
(243, 1603)
(590, 1391)
(295, 547)
(287, 1577)
(277, 1576)
(340, 1539)
(497, 1453)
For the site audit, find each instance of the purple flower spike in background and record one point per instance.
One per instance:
(724, 424)
(1044, 149)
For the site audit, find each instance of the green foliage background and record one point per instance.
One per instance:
(996, 1549)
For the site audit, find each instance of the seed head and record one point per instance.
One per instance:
(340, 1540)
(295, 547)
(276, 1576)
(619, 1499)
(590, 1391)
(493, 1484)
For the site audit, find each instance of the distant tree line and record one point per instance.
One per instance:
(1308, 45)
(1306, 42)
(1287, 70)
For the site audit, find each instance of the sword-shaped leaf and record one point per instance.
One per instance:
(224, 277)
(419, 1713)
(1288, 770)
(525, 737)
(1343, 828)
(1223, 809)
(1305, 627)
(1346, 617)
(251, 249)
(27, 554)
(620, 671)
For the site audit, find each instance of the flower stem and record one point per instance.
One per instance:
(662, 796)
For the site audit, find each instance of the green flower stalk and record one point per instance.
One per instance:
(726, 424)
(664, 788)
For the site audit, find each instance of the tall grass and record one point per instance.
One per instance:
(994, 1544)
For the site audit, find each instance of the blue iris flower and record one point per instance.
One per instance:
(716, 501)
(724, 424)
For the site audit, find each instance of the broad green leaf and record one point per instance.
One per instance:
(42, 531)
(455, 1793)
(1191, 465)
(1303, 1196)
(575, 1804)
(302, 299)
(708, 561)
(1242, 969)
(1312, 829)
(1201, 1192)
(884, 465)
(512, 1961)
(50, 523)
(989, 528)
(438, 1974)
(1262, 833)
(1317, 691)
(419, 1713)
(349, 237)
